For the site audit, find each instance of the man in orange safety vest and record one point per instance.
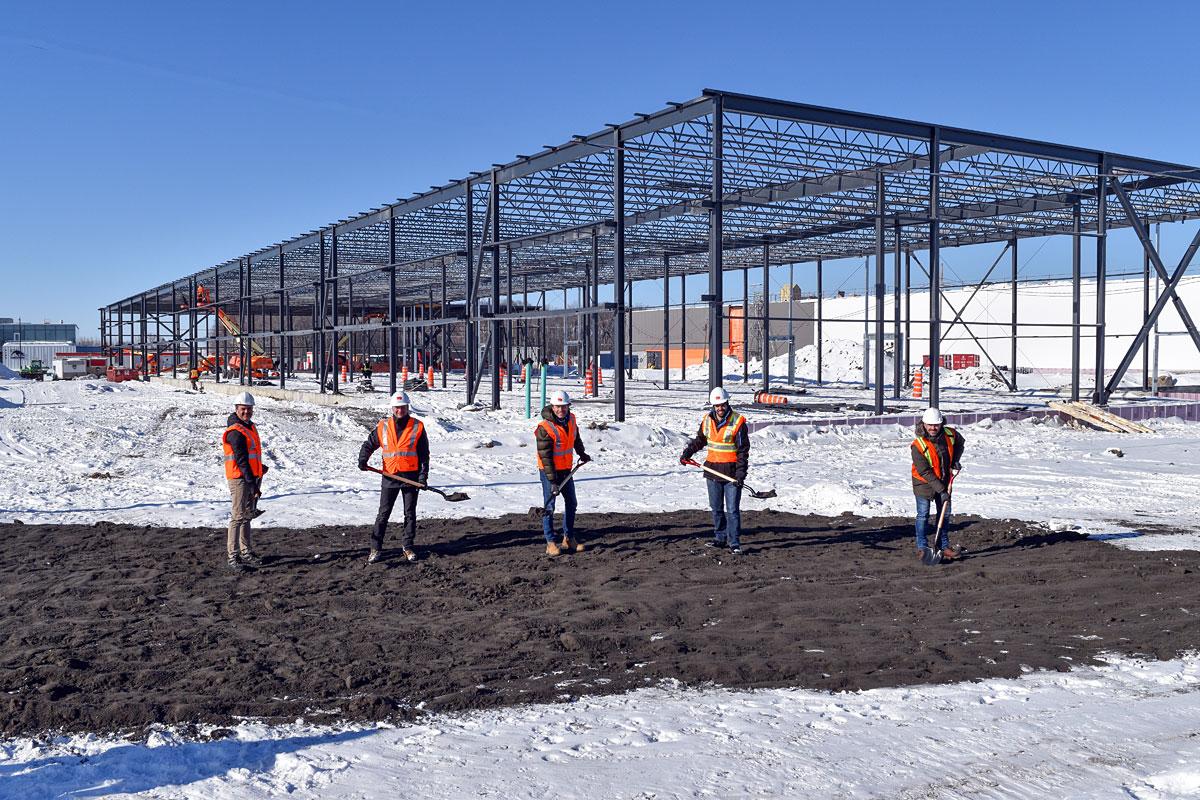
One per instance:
(244, 470)
(401, 437)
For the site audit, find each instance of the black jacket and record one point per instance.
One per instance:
(241, 452)
(736, 470)
(545, 444)
(420, 475)
(934, 484)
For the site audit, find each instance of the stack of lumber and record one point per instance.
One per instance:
(1097, 417)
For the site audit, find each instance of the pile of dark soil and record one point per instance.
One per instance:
(111, 627)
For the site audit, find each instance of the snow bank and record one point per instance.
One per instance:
(7, 374)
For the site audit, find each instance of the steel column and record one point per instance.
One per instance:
(1101, 277)
(1146, 313)
(935, 270)
(497, 355)
(666, 357)
(766, 320)
(880, 210)
(791, 331)
(618, 276)
(899, 345)
(1076, 304)
(716, 292)
(820, 298)
(1013, 336)
(746, 325)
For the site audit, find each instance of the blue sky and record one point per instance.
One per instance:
(143, 141)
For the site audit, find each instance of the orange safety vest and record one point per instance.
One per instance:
(564, 443)
(399, 450)
(253, 451)
(194, 374)
(722, 446)
(931, 454)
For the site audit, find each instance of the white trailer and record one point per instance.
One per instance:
(19, 354)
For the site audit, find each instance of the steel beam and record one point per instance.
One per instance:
(618, 348)
(716, 235)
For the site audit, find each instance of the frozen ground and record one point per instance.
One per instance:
(82, 451)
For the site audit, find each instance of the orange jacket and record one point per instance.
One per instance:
(253, 451)
(399, 450)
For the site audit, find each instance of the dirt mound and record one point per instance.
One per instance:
(113, 627)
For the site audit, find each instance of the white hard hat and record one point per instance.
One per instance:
(244, 399)
(718, 396)
(560, 398)
(400, 399)
(932, 417)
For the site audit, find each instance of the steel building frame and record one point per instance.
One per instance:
(724, 181)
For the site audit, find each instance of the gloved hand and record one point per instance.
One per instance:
(585, 458)
(740, 483)
(943, 497)
(552, 477)
(266, 469)
(362, 465)
(684, 460)
(423, 479)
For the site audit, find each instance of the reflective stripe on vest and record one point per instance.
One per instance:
(722, 440)
(931, 455)
(253, 452)
(564, 443)
(399, 450)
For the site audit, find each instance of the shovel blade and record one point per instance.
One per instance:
(536, 512)
(456, 497)
(931, 556)
(769, 493)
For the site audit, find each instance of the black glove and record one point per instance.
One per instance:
(943, 497)
(362, 465)
(685, 458)
(423, 479)
(584, 458)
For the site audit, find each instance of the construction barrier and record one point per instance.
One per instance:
(404, 375)
(768, 399)
(589, 386)
(918, 384)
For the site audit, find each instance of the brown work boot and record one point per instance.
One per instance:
(570, 545)
(949, 554)
(552, 549)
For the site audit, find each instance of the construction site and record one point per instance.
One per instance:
(773, 283)
(539, 261)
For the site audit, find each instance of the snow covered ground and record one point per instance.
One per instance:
(82, 451)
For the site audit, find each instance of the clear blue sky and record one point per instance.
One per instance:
(143, 141)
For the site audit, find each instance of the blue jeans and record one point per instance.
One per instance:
(725, 500)
(923, 523)
(568, 495)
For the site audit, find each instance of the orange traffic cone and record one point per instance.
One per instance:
(345, 374)
(404, 375)
(429, 376)
(588, 386)
(918, 385)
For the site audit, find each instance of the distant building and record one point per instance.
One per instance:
(691, 347)
(13, 331)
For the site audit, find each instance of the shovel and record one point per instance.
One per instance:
(453, 497)
(538, 512)
(933, 555)
(757, 495)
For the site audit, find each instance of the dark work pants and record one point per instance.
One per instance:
(387, 500)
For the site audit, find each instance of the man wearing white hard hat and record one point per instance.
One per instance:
(936, 456)
(244, 470)
(723, 432)
(558, 442)
(405, 447)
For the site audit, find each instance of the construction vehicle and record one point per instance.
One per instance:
(35, 370)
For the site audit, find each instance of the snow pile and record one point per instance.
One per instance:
(731, 369)
(7, 374)
(972, 378)
(841, 362)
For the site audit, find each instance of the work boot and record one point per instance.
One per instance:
(570, 545)
(237, 566)
(409, 554)
(735, 551)
(949, 554)
(715, 543)
(552, 548)
(374, 556)
(251, 559)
